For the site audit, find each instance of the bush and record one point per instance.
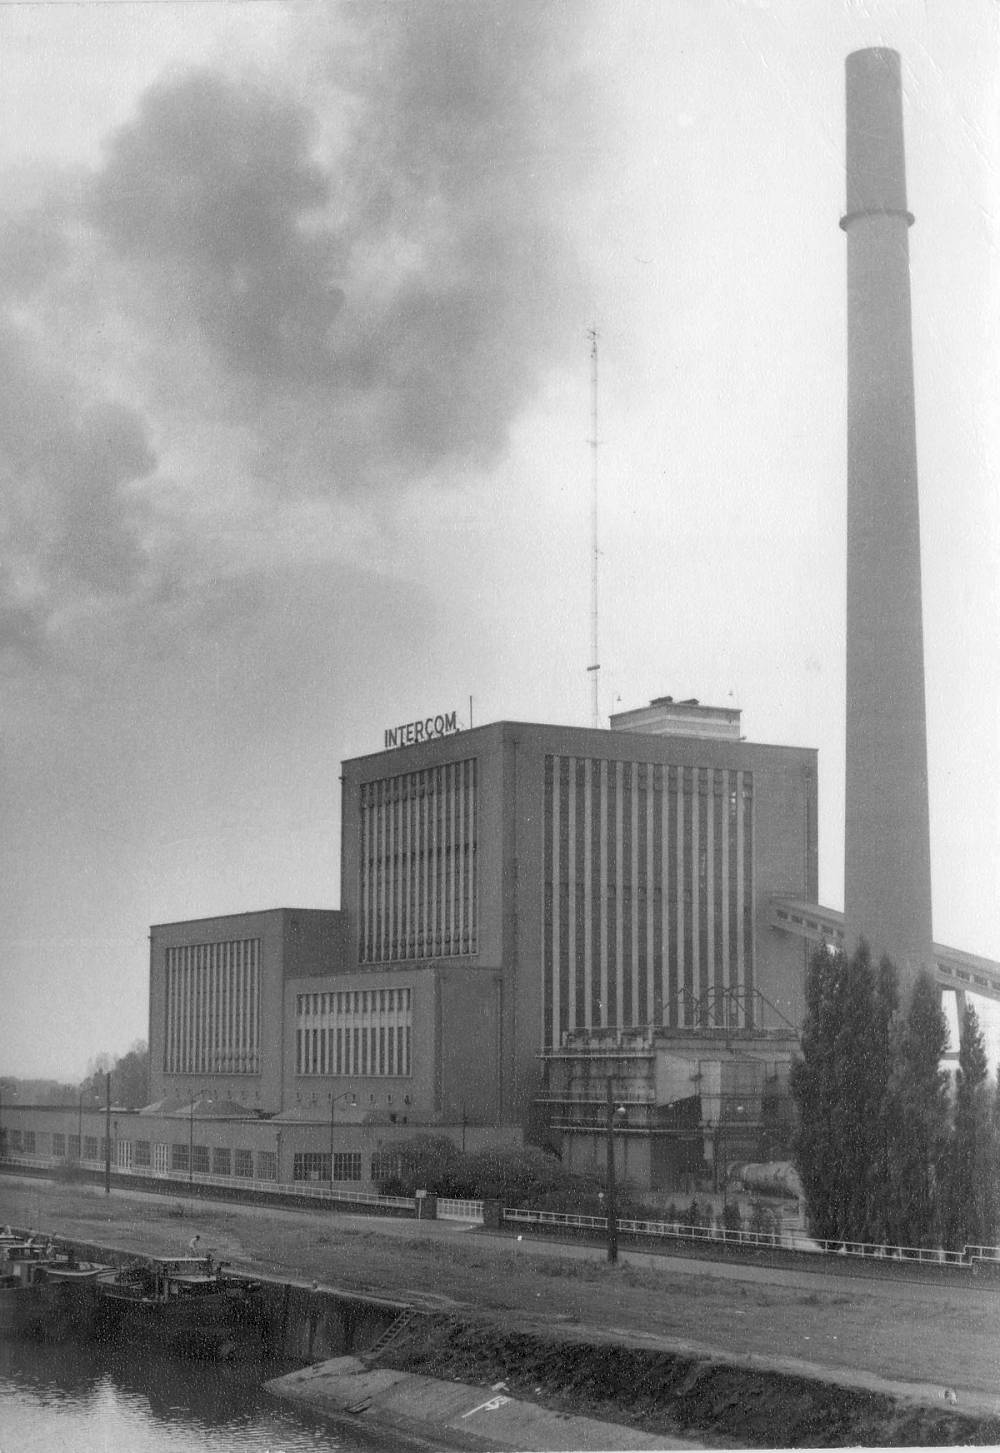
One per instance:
(427, 1162)
(515, 1176)
(764, 1221)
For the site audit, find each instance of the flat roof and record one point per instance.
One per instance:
(641, 740)
(247, 913)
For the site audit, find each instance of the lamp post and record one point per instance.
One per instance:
(613, 1112)
(107, 1134)
(347, 1094)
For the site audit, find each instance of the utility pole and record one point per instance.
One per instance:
(612, 1185)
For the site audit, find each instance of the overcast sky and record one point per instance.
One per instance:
(294, 409)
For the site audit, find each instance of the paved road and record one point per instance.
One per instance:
(812, 1276)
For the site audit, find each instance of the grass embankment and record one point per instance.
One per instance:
(678, 1394)
(532, 1312)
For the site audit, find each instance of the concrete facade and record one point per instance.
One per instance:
(452, 968)
(290, 943)
(499, 1005)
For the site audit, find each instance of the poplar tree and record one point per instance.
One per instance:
(970, 1189)
(812, 1082)
(840, 1088)
(917, 1120)
(879, 1078)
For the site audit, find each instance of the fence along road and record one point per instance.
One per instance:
(670, 1236)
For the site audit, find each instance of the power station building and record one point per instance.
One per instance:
(539, 923)
(517, 900)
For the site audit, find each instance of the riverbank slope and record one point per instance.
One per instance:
(539, 1317)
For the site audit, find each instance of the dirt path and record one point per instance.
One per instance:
(924, 1335)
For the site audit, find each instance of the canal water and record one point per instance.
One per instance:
(78, 1397)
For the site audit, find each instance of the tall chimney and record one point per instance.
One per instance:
(887, 886)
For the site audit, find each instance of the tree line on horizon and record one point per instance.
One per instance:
(129, 1083)
(888, 1149)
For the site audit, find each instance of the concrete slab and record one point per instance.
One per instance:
(454, 1414)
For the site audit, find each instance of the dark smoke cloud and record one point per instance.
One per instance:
(70, 525)
(210, 189)
(392, 294)
(275, 291)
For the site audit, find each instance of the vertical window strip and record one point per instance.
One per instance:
(718, 916)
(615, 870)
(748, 892)
(650, 879)
(704, 777)
(687, 864)
(461, 941)
(452, 865)
(418, 864)
(603, 832)
(404, 870)
(662, 921)
(557, 900)
(578, 905)
(639, 896)
(549, 889)
(588, 895)
(366, 879)
(425, 842)
(738, 907)
(167, 1018)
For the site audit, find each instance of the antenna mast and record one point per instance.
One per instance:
(594, 668)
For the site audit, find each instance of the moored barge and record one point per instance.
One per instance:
(187, 1305)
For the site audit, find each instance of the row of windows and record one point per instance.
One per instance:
(239, 1162)
(370, 1050)
(353, 1001)
(310, 1165)
(418, 864)
(648, 894)
(354, 1032)
(142, 1154)
(61, 1146)
(212, 1008)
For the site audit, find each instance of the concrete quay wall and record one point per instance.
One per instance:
(296, 1322)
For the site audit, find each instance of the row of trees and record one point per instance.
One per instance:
(129, 1078)
(887, 1149)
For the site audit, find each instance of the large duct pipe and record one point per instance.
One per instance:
(887, 888)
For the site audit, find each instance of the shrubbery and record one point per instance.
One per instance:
(517, 1176)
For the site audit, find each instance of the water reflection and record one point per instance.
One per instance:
(90, 1398)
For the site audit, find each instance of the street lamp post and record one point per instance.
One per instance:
(107, 1134)
(612, 1208)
